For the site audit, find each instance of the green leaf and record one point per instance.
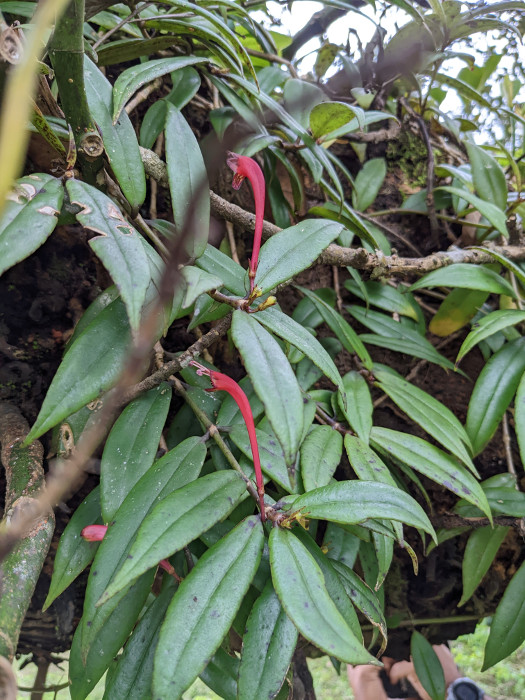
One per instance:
(267, 649)
(427, 666)
(118, 245)
(231, 273)
(466, 277)
(420, 455)
(494, 390)
(29, 217)
(463, 89)
(91, 365)
(356, 404)
(272, 458)
(320, 456)
(459, 307)
(352, 502)
(489, 325)
(176, 469)
(198, 282)
(329, 116)
(368, 183)
(207, 601)
(131, 79)
(488, 175)
(273, 380)
(176, 521)
(220, 674)
(120, 140)
(482, 546)
(286, 328)
(189, 188)
(300, 585)
(366, 463)
(507, 630)
(362, 596)
(134, 672)
(74, 554)
(490, 211)
(519, 417)
(131, 446)
(293, 250)
(429, 413)
(300, 97)
(384, 297)
(509, 264)
(342, 329)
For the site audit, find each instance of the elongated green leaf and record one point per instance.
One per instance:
(362, 596)
(482, 547)
(509, 264)
(177, 520)
(293, 250)
(384, 297)
(131, 446)
(358, 405)
(198, 282)
(176, 469)
(118, 245)
(207, 601)
(219, 264)
(507, 630)
(270, 452)
(190, 196)
(490, 211)
(131, 79)
(428, 667)
(268, 646)
(120, 141)
(91, 365)
(464, 89)
(74, 554)
(368, 183)
(488, 175)
(286, 328)
(435, 418)
(220, 674)
(493, 392)
(352, 502)
(466, 277)
(432, 462)
(301, 588)
(342, 329)
(29, 217)
(456, 310)
(273, 380)
(134, 672)
(487, 326)
(519, 417)
(329, 116)
(320, 456)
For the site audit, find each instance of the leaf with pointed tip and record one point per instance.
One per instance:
(198, 282)
(368, 183)
(131, 79)
(481, 548)
(301, 588)
(428, 666)
(29, 217)
(118, 245)
(465, 276)
(267, 649)
(273, 380)
(356, 404)
(207, 601)
(488, 175)
(219, 264)
(490, 211)
(272, 458)
(384, 297)
(176, 521)
(91, 365)
(423, 457)
(487, 326)
(320, 456)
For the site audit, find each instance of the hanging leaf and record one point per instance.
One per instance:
(427, 666)
(176, 521)
(460, 306)
(482, 546)
(189, 188)
(358, 407)
(368, 183)
(293, 250)
(432, 462)
(489, 325)
(268, 646)
(320, 456)
(91, 365)
(273, 380)
(507, 630)
(118, 245)
(131, 79)
(207, 601)
(494, 390)
(488, 175)
(29, 217)
(131, 446)
(120, 140)
(466, 277)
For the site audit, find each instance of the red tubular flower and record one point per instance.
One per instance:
(221, 382)
(242, 167)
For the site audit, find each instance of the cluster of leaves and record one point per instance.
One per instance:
(271, 582)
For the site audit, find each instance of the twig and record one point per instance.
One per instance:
(273, 58)
(142, 95)
(374, 137)
(508, 449)
(231, 241)
(124, 21)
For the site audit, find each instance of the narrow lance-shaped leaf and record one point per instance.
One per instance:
(207, 601)
(490, 211)
(428, 667)
(487, 326)
(488, 175)
(320, 456)
(466, 277)
(482, 546)
(519, 416)
(358, 407)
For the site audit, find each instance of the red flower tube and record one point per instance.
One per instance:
(242, 167)
(221, 382)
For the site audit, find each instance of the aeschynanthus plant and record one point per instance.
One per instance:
(221, 382)
(242, 167)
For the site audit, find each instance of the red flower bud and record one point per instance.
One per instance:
(94, 533)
